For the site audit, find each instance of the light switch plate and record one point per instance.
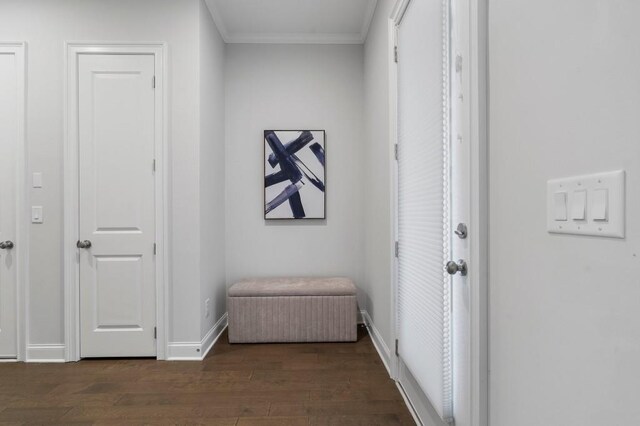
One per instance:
(36, 214)
(592, 190)
(37, 180)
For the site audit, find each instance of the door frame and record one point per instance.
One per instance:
(21, 250)
(72, 51)
(479, 207)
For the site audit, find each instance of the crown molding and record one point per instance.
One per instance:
(292, 38)
(217, 19)
(368, 18)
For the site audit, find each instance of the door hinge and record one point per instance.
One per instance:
(395, 54)
(153, 165)
(153, 82)
(155, 332)
(155, 247)
(397, 352)
(395, 151)
(397, 248)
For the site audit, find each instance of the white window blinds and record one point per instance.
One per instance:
(424, 290)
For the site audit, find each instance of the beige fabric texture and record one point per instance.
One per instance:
(310, 314)
(302, 286)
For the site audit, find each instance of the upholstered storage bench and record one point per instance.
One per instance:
(292, 310)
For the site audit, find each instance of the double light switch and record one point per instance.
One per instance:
(588, 205)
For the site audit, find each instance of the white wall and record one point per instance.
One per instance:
(294, 87)
(377, 169)
(45, 25)
(564, 317)
(212, 171)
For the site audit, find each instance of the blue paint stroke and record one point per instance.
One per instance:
(293, 146)
(274, 178)
(296, 206)
(315, 180)
(283, 196)
(287, 165)
(318, 151)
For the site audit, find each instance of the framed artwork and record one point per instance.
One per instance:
(294, 174)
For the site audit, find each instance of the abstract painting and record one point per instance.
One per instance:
(294, 174)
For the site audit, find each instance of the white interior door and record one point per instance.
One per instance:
(433, 198)
(9, 145)
(116, 205)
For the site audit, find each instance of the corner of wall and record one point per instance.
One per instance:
(211, 114)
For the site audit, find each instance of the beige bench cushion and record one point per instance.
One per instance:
(307, 286)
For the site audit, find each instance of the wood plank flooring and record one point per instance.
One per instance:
(273, 384)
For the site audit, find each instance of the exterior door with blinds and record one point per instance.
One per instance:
(433, 199)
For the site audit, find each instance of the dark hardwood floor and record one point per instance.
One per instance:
(273, 384)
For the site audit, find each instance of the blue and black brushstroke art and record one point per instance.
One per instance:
(287, 166)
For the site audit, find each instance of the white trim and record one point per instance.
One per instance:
(419, 406)
(196, 351)
(368, 18)
(214, 334)
(46, 353)
(71, 296)
(217, 19)
(293, 38)
(479, 224)
(396, 15)
(407, 402)
(184, 351)
(378, 341)
(21, 238)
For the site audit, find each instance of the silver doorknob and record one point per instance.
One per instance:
(6, 245)
(84, 244)
(453, 267)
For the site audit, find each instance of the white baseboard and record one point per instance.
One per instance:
(196, 351)
(214, 334)
(45, 353)
(421, 409)
(378, 341)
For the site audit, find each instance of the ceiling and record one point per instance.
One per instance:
(293, 21)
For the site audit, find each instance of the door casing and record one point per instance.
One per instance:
(21, 250)
(71, 178)
(479, 186)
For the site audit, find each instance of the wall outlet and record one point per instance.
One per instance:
(207, 308)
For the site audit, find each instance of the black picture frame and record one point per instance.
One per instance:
(308, 177)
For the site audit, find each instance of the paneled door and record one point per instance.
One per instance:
(116, 104)
(10, 140)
